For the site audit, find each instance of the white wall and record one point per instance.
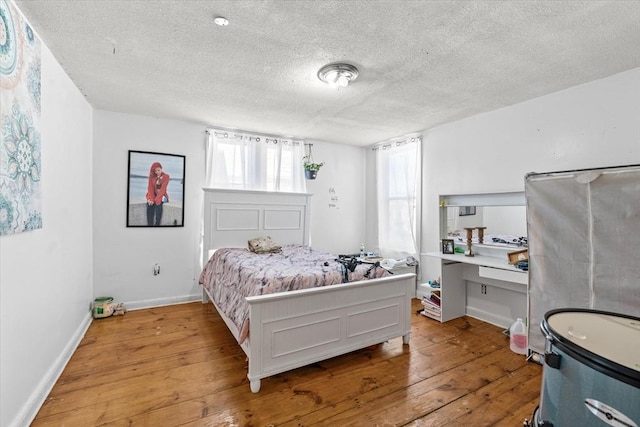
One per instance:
(124, 257)
(339, 229)
(51, 303)
(46, 275)
(592, 125)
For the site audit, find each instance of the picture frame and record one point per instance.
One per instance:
(155, 195)
(448, 246)
(467, 210)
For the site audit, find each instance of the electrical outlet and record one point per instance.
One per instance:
(156, 269)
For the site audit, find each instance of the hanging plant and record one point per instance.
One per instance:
(310, 167)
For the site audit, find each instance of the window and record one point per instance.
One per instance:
(397, 174)
(254, 162)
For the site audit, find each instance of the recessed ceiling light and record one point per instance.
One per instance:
(221, 20)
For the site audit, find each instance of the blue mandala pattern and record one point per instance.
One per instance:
(31, 38)
(8, 48)
(22, 146)
(21, 174)
(8, 216)
(34, 222)
(34, 85)
(20, 95)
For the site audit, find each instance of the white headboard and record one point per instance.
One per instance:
(232, 217)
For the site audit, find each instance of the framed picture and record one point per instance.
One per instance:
(467, 210)
(447, 246)
(155, 191)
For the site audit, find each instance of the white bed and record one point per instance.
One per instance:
(293, 329)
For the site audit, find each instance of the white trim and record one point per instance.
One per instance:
(513, 198)
(159, 302)
(30, 409)
(488, 317)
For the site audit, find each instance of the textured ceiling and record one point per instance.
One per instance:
(422, 63)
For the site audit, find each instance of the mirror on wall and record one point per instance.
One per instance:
(503, 215)
(504, 225)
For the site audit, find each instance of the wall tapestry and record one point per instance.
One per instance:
(155, 197)
(20, 198)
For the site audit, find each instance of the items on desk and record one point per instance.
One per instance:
(523, 265)
(481, 234)
(518, 256)
(506, 240)
(447, 246)
(469, 250)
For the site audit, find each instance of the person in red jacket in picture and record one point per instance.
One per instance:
(156, 194)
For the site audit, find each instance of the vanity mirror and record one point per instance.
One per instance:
(501, 225)
(498, 219)
(478, 280)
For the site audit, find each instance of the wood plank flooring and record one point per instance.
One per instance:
(180, 366)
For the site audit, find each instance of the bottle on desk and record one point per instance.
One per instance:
(362, 254)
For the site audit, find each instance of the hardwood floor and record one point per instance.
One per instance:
(180, 366)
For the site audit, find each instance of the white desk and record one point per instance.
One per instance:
(485, 287)
(488, 261)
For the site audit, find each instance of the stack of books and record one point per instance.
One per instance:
(431, 304)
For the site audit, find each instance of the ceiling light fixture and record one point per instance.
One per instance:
(338, 74)
(221, 20)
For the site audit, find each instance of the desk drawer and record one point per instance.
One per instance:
(504, 275)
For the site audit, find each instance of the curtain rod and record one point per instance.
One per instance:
(209, 130)
(396, 142)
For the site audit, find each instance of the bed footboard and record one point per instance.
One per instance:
(293, 329)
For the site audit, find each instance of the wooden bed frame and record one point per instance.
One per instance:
(293, 329)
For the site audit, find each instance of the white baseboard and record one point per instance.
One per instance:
(31, 407)
(485, 316)
(159, 302)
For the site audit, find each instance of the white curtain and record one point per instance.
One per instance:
(245, 161)
(397, 175)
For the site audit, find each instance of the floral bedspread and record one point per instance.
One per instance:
(232, 274)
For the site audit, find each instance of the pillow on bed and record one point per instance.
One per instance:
(264, 245)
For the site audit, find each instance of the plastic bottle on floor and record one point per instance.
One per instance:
(518, 337)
